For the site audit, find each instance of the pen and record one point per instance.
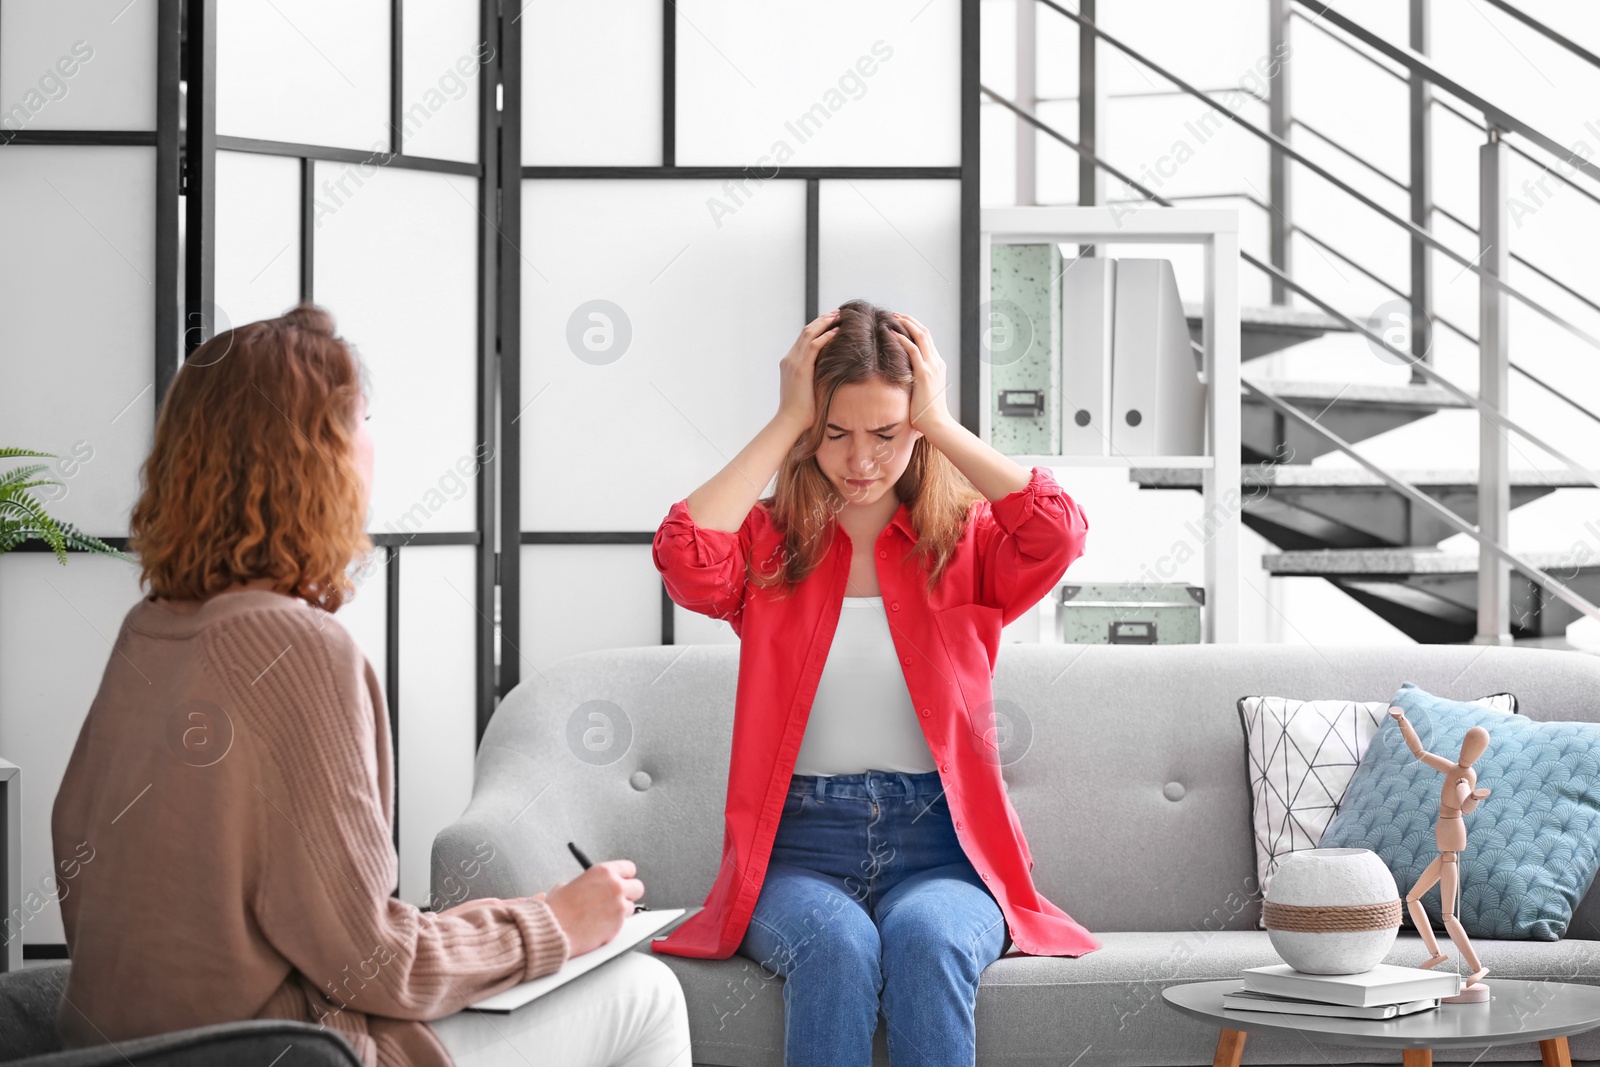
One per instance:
(577, 854)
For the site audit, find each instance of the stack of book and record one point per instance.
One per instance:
(1381, 993)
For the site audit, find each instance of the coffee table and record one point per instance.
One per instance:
(1517, 1012)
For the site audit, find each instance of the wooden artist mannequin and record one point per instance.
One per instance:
(1458, 798)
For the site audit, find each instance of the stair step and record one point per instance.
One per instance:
(1404, 561)
(1305, 475)
(1369, 394)
(1355, 411)
(1265, 330)
(1431, 595)
(1275, 316)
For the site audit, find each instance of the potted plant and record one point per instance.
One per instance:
(22, 516)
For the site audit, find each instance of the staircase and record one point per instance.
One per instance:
(1347, 525)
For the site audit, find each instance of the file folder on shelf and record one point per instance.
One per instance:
(1088, 286)
(1157, 400)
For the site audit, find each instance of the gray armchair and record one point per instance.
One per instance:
(28, 1036)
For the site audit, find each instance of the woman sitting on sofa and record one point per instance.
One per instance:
(226, 811)
(872, 857)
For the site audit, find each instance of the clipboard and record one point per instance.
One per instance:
(635, 928)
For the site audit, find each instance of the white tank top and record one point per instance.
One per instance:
(862, 717)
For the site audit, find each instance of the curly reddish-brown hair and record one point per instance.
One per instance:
(252, 473)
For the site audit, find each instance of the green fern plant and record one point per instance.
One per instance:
(22, 517)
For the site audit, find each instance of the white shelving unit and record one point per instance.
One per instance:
(1217, 232)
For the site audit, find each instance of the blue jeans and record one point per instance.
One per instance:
(868, 893)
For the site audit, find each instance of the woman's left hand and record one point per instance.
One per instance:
(928, 406)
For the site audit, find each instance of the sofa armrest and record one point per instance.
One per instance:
(28, 1000)
(279, 1042)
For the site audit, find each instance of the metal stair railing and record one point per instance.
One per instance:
(1280, 146)
(1534, 24)
(1419, 65)
(1435, 102)
(1486, 412)
(1397, 183)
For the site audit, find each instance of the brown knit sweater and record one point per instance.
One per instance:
(224, 850)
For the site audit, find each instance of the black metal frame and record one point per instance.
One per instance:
(511, 532)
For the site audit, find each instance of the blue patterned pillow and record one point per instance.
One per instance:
(1531, 845)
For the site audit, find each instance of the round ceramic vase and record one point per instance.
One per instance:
(1337, 882)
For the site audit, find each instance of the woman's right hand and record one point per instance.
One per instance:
(797, 398)
(591, 907)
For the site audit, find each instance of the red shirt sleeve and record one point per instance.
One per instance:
(704, 569)
(1026, 540)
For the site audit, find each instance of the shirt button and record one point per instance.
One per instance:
(907, 660)
(925, 711)
(985, 876)
(882, 554)
(945, 767)
(958, 825)
(895, 606)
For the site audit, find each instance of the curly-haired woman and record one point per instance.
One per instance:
(226, 812)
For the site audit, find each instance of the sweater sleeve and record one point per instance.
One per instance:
(1026, 540)
(704, 569)
(326, 863)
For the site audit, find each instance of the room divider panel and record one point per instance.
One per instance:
(569, 241)
(89, 339)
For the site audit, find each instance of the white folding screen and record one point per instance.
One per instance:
(304, 72)
(438, 631)
(395, 265)
(897, 243)
(840, 83)
(591, 105)
(445, 52)
(641, 280)
(258, 237)
(78, 270)
(651, 339)
(691, 197)
(87, 269)
(87, 65)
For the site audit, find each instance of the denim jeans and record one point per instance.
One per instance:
(868, 894)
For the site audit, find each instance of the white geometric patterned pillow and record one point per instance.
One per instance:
(1301, 754)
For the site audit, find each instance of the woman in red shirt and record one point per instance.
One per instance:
(871, 856)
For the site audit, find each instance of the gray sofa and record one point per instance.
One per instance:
(1132, 792)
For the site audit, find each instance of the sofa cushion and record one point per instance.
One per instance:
(1300, 755)
(1104, 1008)
(1531, 850)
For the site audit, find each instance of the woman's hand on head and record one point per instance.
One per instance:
(928, 406)
(591, 907)
(797, 398)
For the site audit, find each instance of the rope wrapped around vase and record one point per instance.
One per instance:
(1338, 918)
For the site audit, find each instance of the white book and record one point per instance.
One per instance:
(1250, 1000)
(635, 928)
(1384, 984)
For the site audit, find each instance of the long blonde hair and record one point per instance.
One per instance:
(804, 503)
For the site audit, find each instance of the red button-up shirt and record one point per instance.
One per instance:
(1010, 555)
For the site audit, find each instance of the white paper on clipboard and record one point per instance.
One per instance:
(635, 928)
